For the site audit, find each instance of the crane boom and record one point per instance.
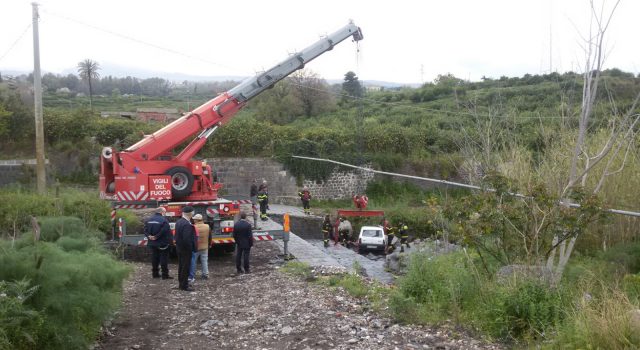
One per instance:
(136, 173)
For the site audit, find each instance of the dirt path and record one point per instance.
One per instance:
(263, 310)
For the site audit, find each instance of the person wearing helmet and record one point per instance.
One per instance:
(326, 230)
(403, 230)
(391, 235)
(305, 197)
(263, 200)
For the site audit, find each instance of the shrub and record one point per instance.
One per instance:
(626, 255)
(599, 323)
(526, 310)
(20, 326)
(79, 283)
(441, 284)
(631, 286)
(17, 205)
(447, 287)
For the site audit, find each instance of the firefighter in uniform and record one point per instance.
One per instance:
(327, 227)
(263, 200)
(403, 230)
(391, 234)
(305, 197)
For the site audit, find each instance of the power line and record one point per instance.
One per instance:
(139, 41)
(458, 184)
(360, 99)
(15, 42)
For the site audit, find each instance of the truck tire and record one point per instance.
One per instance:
(181, 181)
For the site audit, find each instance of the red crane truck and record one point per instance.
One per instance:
(153, 173)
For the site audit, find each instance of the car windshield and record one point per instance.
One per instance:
(371, 233)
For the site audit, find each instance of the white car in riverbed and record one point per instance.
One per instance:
(371, 238)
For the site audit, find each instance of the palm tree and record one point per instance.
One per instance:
(88, 70)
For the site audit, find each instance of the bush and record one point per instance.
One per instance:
(631, 286)
(17, 205)
(527, 310)
(440, 284)
(19, 325)
(626, 255)
(79, 284)
(447, 287)
(599, 323)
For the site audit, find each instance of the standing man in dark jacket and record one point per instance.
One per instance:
(158, 233)
(253, 192)
(244, 241)
(185, 245)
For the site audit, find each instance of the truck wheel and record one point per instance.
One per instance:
(181, 181)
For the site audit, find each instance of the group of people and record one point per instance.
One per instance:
(345, 231)
(192, 244)
(260, 196)
(402, 230)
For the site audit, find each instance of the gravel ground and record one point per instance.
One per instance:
(266, 309)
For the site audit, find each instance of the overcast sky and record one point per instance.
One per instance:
(404, 41)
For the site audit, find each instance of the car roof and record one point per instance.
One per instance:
(371, 228)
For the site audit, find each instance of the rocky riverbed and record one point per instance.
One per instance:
(266, 309)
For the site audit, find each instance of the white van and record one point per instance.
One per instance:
(371, 238)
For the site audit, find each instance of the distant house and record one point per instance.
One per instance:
(157, 114)
(107, 114)
(374, 88)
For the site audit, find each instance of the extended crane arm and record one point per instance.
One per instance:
(221, 109)
(253, 86)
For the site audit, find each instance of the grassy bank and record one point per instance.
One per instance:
(590, 309)
(18, 204)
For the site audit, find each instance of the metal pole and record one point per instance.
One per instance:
(286, 228)
(41, 178)
(572, 205)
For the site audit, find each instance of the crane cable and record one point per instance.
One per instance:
(359, 115)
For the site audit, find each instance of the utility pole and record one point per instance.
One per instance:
(41, 178)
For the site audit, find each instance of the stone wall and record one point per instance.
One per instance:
(20, 171)
(341, 184)
(237, 173)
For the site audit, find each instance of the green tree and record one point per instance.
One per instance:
(351, 86)
(278, 104)
(312, 92)
(4, 121)
(88, 70)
